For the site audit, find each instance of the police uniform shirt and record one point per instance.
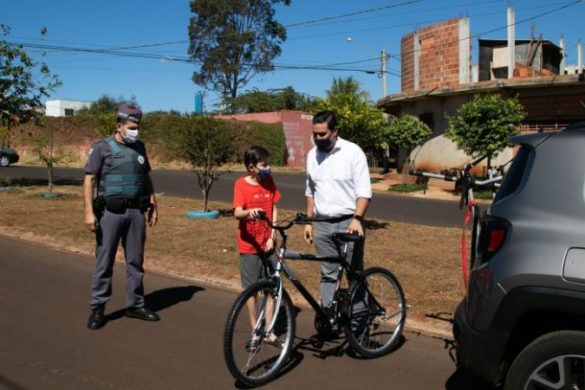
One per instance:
(100, 156)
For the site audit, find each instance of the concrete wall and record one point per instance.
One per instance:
(546, 108)
(297, 127)
(438, 107)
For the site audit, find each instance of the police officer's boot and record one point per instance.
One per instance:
(97, 319)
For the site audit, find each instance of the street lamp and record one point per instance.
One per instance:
(383, 57)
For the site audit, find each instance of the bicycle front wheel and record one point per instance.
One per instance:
(376, 313)
(259, 334)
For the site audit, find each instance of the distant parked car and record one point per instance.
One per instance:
(8, 156)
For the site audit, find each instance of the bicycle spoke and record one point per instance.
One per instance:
(250, 355)
(372, 330)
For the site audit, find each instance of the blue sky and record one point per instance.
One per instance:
(161, 83)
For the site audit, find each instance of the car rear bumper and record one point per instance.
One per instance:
(480, 352)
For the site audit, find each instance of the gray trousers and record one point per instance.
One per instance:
(130, 227)
(327, 246)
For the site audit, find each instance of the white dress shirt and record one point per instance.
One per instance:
(336, 179)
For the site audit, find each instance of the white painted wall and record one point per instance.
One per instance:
(57, 107)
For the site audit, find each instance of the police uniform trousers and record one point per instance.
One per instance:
(129, 226)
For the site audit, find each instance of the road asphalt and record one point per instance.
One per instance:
(45, 344)
(390, 207)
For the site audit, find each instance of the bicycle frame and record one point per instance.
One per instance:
(282, 268)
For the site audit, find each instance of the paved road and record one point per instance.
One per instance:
(44, 343)
(292, 185)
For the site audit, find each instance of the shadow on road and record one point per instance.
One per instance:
(463, 380)
(372, 224)
(167, 297)
(162, 299)
(294, 360)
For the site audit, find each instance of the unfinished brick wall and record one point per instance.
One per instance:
(407, 62)
(438, 56)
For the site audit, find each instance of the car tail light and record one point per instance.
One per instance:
(492, 236)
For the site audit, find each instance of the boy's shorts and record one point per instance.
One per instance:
(252, 268)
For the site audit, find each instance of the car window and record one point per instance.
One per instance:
(515, 174)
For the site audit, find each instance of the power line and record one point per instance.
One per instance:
(178, 59)
(353, 13)
(400, 13)
(567, 5)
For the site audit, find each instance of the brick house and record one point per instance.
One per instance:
(438, 77)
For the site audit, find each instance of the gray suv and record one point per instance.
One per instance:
(522, 323)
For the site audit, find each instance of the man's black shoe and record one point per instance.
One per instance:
(97, 319)
(142, 313)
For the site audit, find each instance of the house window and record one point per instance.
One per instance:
(69, 112)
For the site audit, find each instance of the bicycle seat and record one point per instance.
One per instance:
(347, 237)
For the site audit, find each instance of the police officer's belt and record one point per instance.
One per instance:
(117, 205)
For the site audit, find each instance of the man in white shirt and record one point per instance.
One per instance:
(338, 187)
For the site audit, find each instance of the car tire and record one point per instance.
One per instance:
(545, 363)
(4, 161)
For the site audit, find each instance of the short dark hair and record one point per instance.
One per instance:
(256, 154)
(326, 116)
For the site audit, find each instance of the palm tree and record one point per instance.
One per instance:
(348, 85)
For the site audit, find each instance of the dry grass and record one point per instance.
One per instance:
(425, 259)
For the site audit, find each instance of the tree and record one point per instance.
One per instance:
(23, 83)
(270, 100)
(405, 132)
(359, 121)
(47, 153)
(484, 125)
(348, 85)
(206, 144)
(233, 40)
(106, 105)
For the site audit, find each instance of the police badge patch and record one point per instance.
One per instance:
(141, 159)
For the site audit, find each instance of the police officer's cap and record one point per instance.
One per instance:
(131, 113)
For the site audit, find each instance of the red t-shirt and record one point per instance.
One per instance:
(253, 234)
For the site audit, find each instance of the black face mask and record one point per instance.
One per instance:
(323, 145)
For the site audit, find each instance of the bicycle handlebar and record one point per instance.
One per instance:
(300, 219)
(434, 175)
(465, 179)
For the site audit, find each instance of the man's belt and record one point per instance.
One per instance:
(334, 219)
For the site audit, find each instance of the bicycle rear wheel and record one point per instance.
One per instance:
(376, 313)
(250, 355)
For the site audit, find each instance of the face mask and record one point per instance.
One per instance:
(264, 174)
(323, 145)
(131, 136)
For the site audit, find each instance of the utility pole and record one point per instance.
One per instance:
(384, 74)
(383, 57)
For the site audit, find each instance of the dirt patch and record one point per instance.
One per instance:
(205, 250)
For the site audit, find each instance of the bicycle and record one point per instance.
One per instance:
(371, 312)
(467, 182)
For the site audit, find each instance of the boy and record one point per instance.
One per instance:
(255, 192)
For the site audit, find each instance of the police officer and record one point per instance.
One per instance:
(119, 167)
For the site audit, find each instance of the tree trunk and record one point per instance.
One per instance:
(386, 167)
(50, 172)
